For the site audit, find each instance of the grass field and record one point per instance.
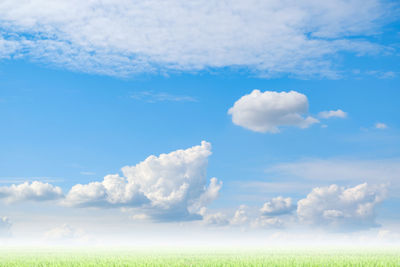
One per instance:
(268, 257)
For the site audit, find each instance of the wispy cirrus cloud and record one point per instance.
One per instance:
(154, 97)
(122, 38)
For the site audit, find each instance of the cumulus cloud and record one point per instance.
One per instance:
(171, 186)
(277, 206)
(340, 207)
(123, 37)
(332, 114)
(34, 191)
(267, 111)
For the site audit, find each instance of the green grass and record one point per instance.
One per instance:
(267, 257)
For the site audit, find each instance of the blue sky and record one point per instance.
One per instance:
(86, 93)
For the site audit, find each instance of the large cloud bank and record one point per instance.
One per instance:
(121, 37)
(168, 187)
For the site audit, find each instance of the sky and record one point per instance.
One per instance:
(228, 122)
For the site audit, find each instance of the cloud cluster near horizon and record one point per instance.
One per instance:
(173, 187)
(168, 187)
(123, 37)
(330, 207)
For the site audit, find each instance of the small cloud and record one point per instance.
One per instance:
(380, 125)
(216, 219)
(382, 74)
(267, 222)
(240, 217)
(35, 191)
(332, 114)
(140, 217)
(267, 111)
(278, 206)
(154, 97)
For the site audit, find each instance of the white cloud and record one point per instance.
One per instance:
(332, 114)
(340, 207)
(168, 187)
(35, 191)
(216, 219)
(267, 111)
(140, 217)
(240, 217)
(113, 190)
(123, 37)
(277, 206)
(380, 125)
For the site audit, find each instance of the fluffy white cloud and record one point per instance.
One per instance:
(35, 191)
(113, 190)
(266, 111)
(168, 187)
(277, 206)
(341, 208)
(380, 125)
(332, 114)
(122, 37)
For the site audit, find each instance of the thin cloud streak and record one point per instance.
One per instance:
(155, 97)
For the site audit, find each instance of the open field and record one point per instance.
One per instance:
(268, 257)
